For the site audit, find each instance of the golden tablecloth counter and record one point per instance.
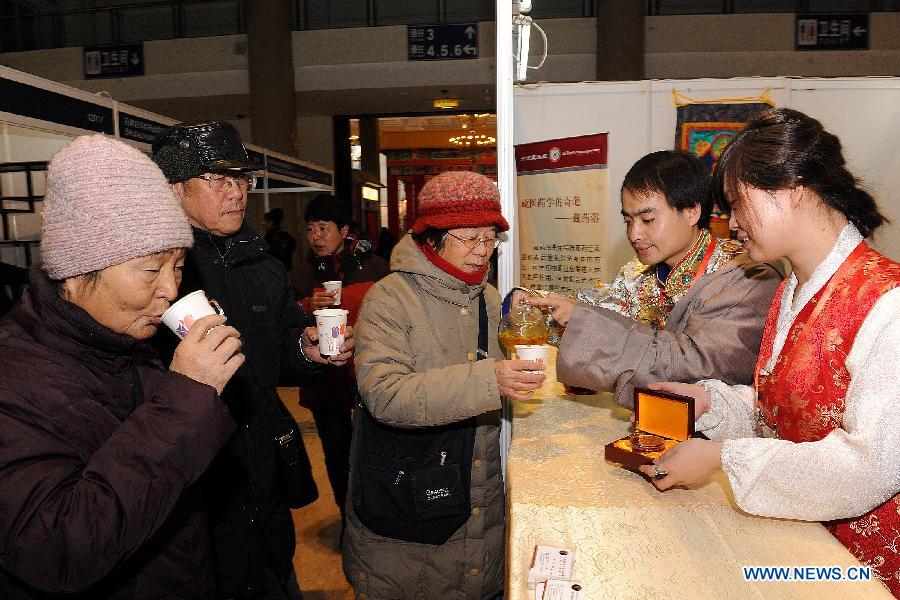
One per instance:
(632, 541)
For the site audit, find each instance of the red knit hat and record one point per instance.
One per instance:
(459, 199)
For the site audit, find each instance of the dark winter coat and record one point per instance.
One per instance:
(99, 448)
(282, 246)
(249, 516)
(357, 270)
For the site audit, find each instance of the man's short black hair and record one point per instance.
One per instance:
(274, 216)
(325, 207)
(681, 177)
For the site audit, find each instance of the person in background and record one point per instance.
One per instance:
(281, 243)
(687, 307)
(428, 370)
(816, 436)
(335, 255)
(12, 280)
(253, 533)
(101, 443)
(386, 243)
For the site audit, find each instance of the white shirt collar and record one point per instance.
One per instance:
(846, 242)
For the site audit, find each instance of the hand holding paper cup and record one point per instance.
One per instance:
(334, 286)
(210, 353)
(331, 325)
(321, 298)
(181, 315)
(515, 380)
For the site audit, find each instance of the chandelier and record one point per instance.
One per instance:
(470, 138)
(467, 140)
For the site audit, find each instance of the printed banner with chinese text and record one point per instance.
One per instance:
(562, 197)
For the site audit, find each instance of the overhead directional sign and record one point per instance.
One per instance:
(113, 60)
(442, 42)
(837, 31)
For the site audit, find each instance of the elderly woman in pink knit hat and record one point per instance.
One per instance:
(426, 514)
(101, 443)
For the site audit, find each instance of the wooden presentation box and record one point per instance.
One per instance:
(669, 416)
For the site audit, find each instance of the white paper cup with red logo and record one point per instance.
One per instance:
(331, 323)
(334, 286)
(192, 307)
(534, 353)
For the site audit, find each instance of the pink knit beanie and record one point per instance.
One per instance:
(459, 199)
(106, 203)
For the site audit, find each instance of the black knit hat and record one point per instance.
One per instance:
(190, 149)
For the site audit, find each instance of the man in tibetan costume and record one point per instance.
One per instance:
(688, 307)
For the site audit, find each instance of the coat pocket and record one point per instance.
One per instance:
(412, 484)
(417, 504)
(437, 492)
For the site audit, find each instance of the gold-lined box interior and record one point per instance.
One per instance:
(669, 416)
(662, 416)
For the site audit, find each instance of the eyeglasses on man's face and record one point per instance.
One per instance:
(471, 243)
(321, 228)
(219, 182)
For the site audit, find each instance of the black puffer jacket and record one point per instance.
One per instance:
(99, 448)
(249, 516)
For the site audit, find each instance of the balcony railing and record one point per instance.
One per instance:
(25, 27)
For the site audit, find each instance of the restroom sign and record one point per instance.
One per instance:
(113, 60)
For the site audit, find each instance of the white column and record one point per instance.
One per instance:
(506, 178)
(506, 173)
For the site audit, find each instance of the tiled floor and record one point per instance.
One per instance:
(317, 558)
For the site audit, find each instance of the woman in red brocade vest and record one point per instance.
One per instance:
(817, 436)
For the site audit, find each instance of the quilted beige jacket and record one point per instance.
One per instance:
(416, 339)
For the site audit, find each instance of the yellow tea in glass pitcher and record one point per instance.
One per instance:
(525, 324)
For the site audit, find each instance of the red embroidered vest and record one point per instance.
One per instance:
(802, 399)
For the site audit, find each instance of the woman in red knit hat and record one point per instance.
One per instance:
(426, 517)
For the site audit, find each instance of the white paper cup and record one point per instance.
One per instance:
(192, 307)
(334, 286)
(535, 353)
(331, 324)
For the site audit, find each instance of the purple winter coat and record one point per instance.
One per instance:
(99, 448)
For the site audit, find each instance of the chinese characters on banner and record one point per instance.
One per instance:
(562, 197)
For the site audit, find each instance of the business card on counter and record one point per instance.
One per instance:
(551, 562)
(557, 589)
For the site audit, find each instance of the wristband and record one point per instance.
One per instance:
(303, 354)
